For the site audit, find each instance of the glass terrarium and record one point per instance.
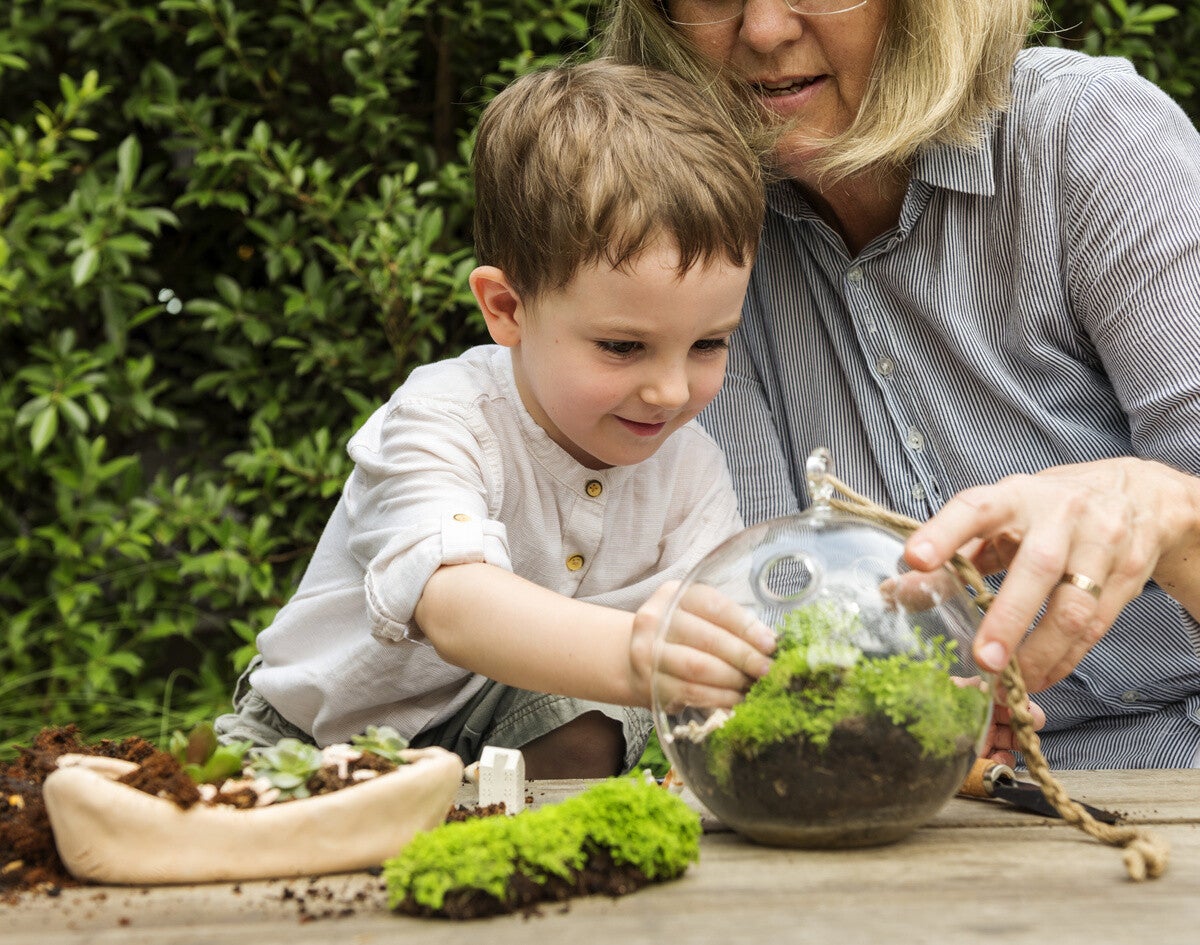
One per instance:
(873, 710)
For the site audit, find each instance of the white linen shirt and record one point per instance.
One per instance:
(453, 469)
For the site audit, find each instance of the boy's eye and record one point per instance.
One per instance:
(619, 347)
(711, 344)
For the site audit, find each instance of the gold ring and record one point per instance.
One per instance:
(1083, 582)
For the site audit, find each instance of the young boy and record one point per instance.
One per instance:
(511, 508)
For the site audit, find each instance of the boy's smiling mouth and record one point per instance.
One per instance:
(643, 429)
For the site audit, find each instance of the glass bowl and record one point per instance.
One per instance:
(873, 711)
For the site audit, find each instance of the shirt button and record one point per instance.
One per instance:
(915, 439)
(918, 492)
(1130, 696)
(575, 562)
(885, 366)
(462, 517)
(854, 276)
(594, 487)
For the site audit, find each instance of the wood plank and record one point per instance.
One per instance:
(963, 876)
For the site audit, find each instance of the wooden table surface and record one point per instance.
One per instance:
(978, 872)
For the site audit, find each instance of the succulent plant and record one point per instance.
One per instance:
(382, 740)
(205, 760)
(288, 765)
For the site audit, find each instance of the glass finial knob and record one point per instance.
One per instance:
(817, 469)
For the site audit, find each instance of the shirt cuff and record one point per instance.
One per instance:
(396, 577)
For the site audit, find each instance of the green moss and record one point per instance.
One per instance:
(638, 824)
(820, 678)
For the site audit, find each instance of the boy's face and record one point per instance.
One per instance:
(617, 361)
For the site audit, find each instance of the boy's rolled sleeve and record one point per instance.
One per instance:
(396, 577)
(424, 493)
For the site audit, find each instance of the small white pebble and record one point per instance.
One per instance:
(694, 732)
(340, 756)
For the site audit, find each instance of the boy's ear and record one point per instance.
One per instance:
(500, 304)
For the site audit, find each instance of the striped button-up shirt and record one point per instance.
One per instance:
(1037, 304)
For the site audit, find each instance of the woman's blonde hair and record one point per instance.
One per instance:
(942, 70)
(597, 162)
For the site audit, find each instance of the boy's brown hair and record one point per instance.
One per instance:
(596, 162)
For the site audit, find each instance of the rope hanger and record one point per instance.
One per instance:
(1145, 853)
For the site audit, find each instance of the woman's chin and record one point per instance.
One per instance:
(795, 158)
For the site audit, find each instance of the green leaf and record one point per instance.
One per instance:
(1158, 13)
(84, 267)
(129, 159)
(75, 414)
(45, 426)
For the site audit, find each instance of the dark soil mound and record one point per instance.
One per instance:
(28, 857)
(599, 876)
(872, 784)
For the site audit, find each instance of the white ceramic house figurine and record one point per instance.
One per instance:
(501, 777)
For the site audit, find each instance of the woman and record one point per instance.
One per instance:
(979, 285)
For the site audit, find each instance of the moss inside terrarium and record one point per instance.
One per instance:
(822, 681)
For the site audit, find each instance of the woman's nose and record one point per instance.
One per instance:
(767, 24)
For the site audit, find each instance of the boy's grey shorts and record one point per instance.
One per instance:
(497, 715)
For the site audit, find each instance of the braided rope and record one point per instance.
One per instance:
(1145, 853)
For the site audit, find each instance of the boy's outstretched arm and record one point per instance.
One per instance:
(492, 622)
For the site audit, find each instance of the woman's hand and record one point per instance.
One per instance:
(1112, 525)
(712, 653)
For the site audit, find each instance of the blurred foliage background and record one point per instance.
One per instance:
(227, 232)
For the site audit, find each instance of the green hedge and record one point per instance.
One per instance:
(227, 231)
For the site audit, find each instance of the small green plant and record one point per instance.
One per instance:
(204, 759)
(653, 758)
(636, 823)
(819, 680)
(288, 765)
(382, 740)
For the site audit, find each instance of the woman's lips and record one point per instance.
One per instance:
(787, 94)
(642, 429)
(774, 87)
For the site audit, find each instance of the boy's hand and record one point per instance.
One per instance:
(712, 653)
(1001, 742)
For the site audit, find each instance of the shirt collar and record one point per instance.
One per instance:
(969, 169)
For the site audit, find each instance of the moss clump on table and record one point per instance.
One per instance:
(819, 680)
(613, 838)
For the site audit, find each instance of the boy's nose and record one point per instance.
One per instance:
(667, 388)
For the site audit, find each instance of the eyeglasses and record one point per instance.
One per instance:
(710, 12)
